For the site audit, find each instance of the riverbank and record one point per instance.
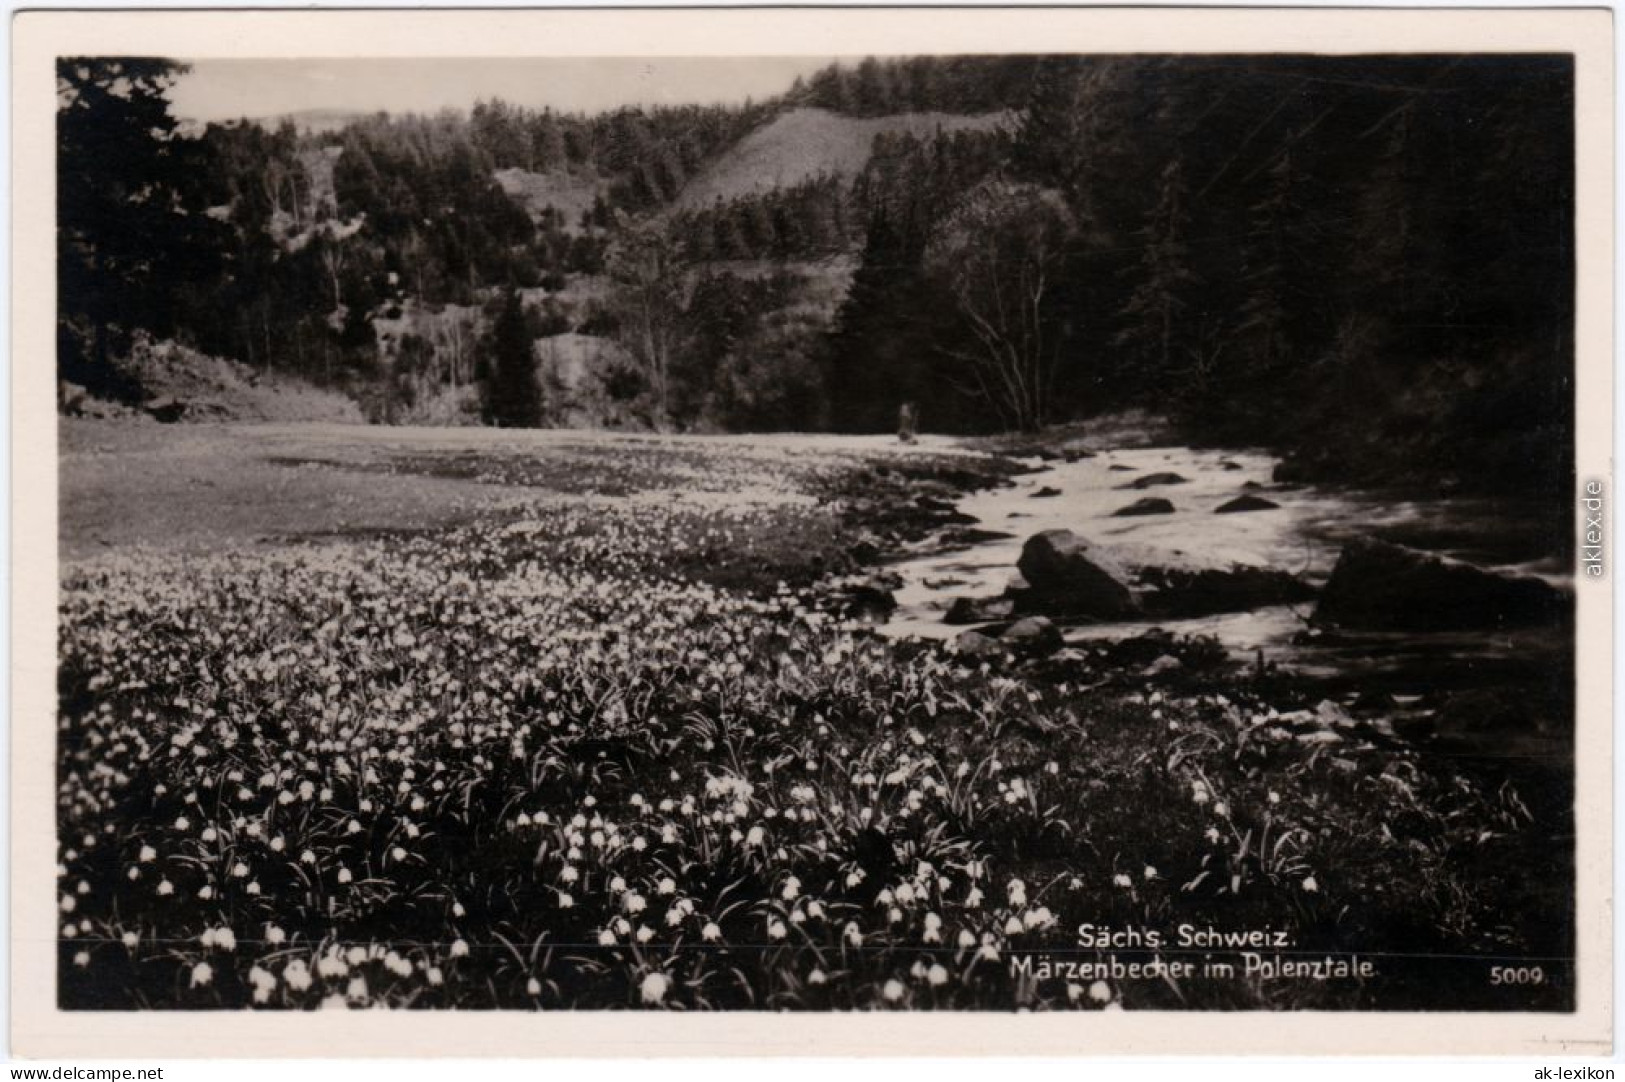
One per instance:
(566, 741)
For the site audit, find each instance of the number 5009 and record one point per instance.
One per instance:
(1517, 975)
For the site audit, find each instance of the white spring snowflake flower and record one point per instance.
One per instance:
(654, 987)
(297, 974)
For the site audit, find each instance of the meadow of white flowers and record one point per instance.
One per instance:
(552, 760)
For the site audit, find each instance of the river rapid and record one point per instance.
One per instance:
(1303, 535)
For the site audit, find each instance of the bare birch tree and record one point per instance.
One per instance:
(999, 253)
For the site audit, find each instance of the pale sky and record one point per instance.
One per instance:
(228, 89)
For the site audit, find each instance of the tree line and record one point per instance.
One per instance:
(1364, 260)
(1367, 261)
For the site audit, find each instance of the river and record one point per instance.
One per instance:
(1303, 535)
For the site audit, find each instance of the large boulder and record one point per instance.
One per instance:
(1068, 575)
(1385, 587)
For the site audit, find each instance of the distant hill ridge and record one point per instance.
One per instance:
(315, 121)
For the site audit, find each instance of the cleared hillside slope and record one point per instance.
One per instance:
(804, 143)
(571, 193)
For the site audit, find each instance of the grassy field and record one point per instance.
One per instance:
(356, 717)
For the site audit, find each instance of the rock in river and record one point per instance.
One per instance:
(1150, 505)
(979, 610)
(1151, 480)
(1177, 591)
(1034, 636)
(869, 601)
(1385, 587)
(1246, 503)
(1069, 575)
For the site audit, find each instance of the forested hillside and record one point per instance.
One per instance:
(1363, 261)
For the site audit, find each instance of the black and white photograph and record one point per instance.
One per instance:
(927, 531)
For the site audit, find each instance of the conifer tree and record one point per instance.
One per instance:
(513, 397)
